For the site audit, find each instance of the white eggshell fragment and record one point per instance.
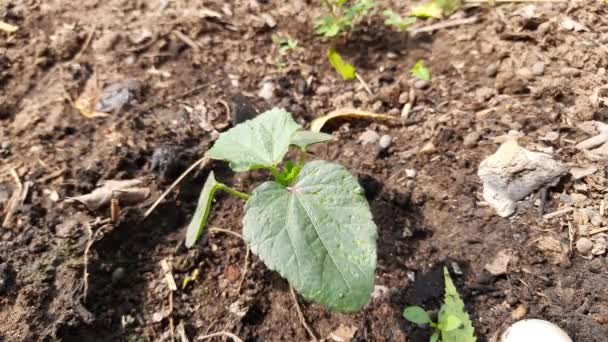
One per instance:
(534, 330)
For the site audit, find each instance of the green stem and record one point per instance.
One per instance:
(233, 192)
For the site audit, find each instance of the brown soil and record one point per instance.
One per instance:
(434, 219)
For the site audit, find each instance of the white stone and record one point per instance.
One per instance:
(534, 330)
(512, 173)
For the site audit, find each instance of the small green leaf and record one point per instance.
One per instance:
(346, 70)
(416, 314)
(318, 233)
(451, 322)
(420, 71)
(434, 337)
(199, 220)
(428, 10)
(448, 7)
(258, 143)
(395, 20)
(303, 139)
(454, 306)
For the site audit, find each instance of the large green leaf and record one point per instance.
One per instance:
(452, 310)
(317, 233)
(199, 220)
(258, 143)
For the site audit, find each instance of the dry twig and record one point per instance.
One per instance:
(13, 203)
(301, 315)
(220, 334)
(445, 24)
(202, 161)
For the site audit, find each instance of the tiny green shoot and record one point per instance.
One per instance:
(420, 71)
(342, 18)
(285, 43)
(311, 223)
(453, 325)
(346, 70)
(395, 20)
(436, 9)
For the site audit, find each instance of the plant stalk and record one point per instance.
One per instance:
(234, 192)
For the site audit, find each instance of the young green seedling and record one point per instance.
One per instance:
(311, 224)
(342, 18)
(453, 324)
(395, 20)
(420, 71)
(345, 69)
(436, 9)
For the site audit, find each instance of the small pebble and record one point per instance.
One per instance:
(157, 317)
(421, 84)
(584, 245)
(519, 312)
(5, 145)
(599, 246)
(525, 73)
(322, 90)
(118, 275)
(471, 139)
(385, 141)
(369, 137)
(595, 265)
(267, 91)
(538, 69)
(492, 70)
(569, 71)
(410, 173)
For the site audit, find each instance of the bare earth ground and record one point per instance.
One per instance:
(485, 83)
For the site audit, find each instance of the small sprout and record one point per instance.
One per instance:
(342, 18)
(395, 20)
(420, 71)
(436, 9)
(190, 278)
(346, 70)
(453, 323)
(285, 43)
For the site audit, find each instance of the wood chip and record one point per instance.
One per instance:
(6, 27)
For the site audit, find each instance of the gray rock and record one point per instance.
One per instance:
(385, 141)
(512, 173)
(584, 245)
(538, 69)
(117, 95)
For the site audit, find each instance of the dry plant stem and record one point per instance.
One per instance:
(363, 83)
(87, 248)
(220, 334)
(86, 44)
(301, 315)
(12, 204)
(445, 24)
(203, 161)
